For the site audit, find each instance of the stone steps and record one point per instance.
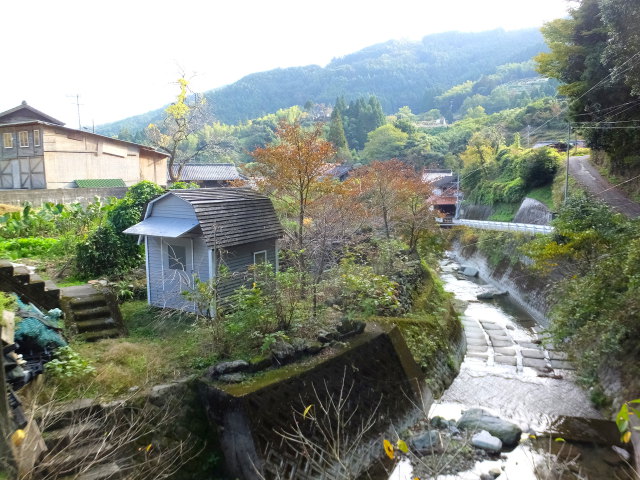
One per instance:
(93, 315)
(30, 286)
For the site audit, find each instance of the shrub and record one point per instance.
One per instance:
(30, 247)
(68, 364)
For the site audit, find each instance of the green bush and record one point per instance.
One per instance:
(107, 250)
(68, 364)
(31, 247)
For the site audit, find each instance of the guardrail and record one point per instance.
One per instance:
(506, 226)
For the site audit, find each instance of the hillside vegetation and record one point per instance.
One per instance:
(400, 74)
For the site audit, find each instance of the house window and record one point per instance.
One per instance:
(260, 257)
(24, 138)
(177, 255)
(36, 138)
(7, 140)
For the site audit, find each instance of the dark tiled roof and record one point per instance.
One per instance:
(26, 112)
(232, 216)
(208, 171)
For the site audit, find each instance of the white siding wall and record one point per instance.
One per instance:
(172, 206)
(238, 259)
(166, 285)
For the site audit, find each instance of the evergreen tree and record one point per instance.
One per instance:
(336, 133)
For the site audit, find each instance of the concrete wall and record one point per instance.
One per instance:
(59, 195)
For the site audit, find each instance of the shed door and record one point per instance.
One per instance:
(177, 272)
(6, 173)
(32, 172)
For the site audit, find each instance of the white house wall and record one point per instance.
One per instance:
(173, 207)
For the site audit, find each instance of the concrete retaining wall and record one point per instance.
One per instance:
(373, 379)
(59, 195)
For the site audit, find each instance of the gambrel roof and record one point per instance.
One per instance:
(227, 216)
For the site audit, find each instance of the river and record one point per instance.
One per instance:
(511, 371)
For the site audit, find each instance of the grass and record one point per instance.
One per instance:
(504, 212)
(543, 195)
(160, 347)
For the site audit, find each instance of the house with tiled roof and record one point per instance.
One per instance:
(38, 151)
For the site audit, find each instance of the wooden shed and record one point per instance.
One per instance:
(189, 234)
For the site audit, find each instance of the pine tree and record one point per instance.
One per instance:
(336, 133)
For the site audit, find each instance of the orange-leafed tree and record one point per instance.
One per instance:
(293, 170)
(395, 193)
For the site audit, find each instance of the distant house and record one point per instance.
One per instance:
(38, 151)
(339, 172)
(446, 196)
(188, 234)
(209, 174)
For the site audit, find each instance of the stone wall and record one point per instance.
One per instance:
(531, 292)
(59, 195)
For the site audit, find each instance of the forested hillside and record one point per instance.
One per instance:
(399, 73)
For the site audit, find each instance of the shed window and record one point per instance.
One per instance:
(24, 138)
(177, 255)
(36, 138)
(7, 140)
(260, 257)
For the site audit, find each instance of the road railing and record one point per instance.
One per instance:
(506, 226)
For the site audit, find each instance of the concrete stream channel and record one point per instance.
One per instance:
(511, 371)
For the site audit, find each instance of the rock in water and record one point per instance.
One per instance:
(486, 441)
(478, 419)
(470, 271)
(424, 442)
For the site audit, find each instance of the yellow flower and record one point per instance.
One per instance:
(388, 448)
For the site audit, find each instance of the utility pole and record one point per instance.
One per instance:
(77, 96)
(528, 136)
(566, 176)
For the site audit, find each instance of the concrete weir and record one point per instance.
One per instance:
(372, 384)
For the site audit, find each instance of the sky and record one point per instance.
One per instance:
(122, 58)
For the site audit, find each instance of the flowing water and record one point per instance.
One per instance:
(511, 371)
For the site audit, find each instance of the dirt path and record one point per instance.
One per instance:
(581, 169)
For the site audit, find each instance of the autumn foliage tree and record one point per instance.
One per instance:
(395, 193)
(180, 135)
(294, 170)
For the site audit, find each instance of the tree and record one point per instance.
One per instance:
(178, 134)
(592, 54)
(395, 193)
(293, 169)
(336, 131)
(384, 143)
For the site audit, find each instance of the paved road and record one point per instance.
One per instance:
(588, 176)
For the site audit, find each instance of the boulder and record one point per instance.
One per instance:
(491, 294)
(237, 377)
(224, 368)
(425, 442)
(282, 352)
(486, 441)
(470, 272)
(348, 328)
(326, 337)
(478, 419)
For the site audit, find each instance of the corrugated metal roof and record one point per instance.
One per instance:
(208, 171)
(162, 227)
(100, 182)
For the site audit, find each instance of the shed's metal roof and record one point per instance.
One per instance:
(162, 227)
(228, 216)
(208, 171)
